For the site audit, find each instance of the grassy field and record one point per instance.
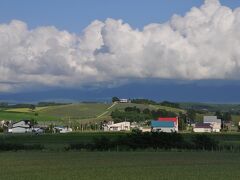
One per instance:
(15, 116)
(82, 111)
(25, 110)
(77, 111)
(121, 165)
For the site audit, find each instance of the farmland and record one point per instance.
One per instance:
(56, 113)
(119, 165)
(80, 112)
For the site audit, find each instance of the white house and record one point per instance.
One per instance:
(124, 100)
(23, 126)
(203, 128)
(145, 129)
(122, 126)
(214, 121)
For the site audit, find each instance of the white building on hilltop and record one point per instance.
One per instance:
(124, 101)
(214, 121)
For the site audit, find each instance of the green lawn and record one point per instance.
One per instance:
(119, 165)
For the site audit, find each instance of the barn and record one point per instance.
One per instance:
(166, 124)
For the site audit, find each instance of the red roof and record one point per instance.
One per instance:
(173, 119)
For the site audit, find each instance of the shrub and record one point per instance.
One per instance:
(202, 141)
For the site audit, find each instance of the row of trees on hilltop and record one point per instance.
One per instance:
(134, 114)
(163, 103)
(148, 101)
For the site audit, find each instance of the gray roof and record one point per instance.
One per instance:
(211, 119)
(203, 125)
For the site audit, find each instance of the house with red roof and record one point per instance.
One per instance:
(166, 124)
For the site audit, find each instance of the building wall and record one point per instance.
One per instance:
(164, 126)
(216, 130)
(21, 130)
(123, 100)
(145, 129)
(123, 126)
(202, 130)
(164, 129)
(216, 127)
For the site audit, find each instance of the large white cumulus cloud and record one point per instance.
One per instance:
(204, 44)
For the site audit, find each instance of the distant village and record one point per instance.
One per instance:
(162, 124)
(209, 124)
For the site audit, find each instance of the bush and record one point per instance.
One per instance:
(202, 141)
(133, 141)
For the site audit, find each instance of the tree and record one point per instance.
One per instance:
(32, 107)
(219, 115)
(132, 109)
(33, 122)
(182, 121)
(115, 99)
(191, 114)
(146, 111)
(227, 117)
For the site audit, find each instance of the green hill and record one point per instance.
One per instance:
(82, 111)
(76, 111)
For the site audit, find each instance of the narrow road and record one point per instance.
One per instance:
(115, 103)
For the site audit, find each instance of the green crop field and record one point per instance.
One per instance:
(83, 111)
(15, 116)
(57, 113)
(55, 163)
(77, 111)
(25, 110)
(119, 165)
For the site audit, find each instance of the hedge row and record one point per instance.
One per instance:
(153, 140)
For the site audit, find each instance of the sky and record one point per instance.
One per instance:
(178, 50)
